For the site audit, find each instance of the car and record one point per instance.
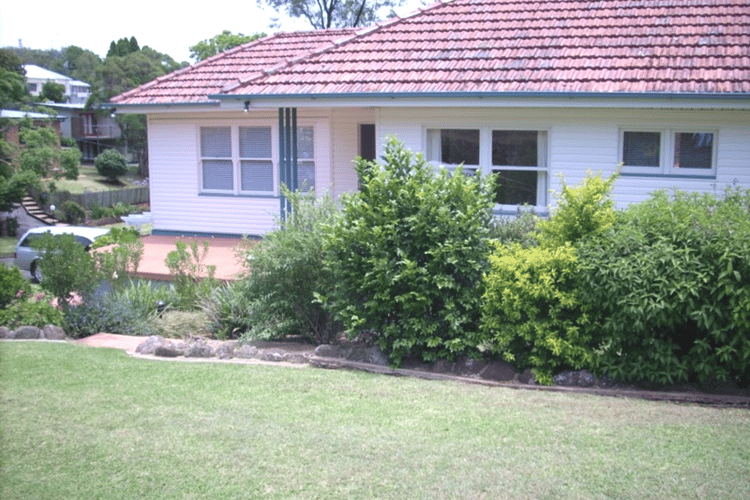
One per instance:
(27, 259)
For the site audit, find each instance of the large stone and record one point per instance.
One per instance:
(52, 332)
(246, 352)
(371, 355)
(199, 349)
(167, 350)
(7, 333)
(499, 371)
(569, 378)
(226, 350)
(148, 346)
(29, 332)
(469, 367)
(328, 351)
(272, 355)
(527, 377)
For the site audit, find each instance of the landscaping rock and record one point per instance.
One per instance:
(527, 377)
(499, 371)
(29, 332)
(469, 367)
(226, 350)
(569, 378)
(148, 346)
(246, 352)
(7, 333)
(371, 355)
(328, 351)
(167, 349)
(272, 355)
(52, 332)
(200, 349)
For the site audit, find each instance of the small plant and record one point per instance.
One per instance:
(70, 163)
(146, 296)
(100, 212)
(106, 313)
(72, 213)
(523, 229)
(35, 312)
(111, 164)
(193, 280)
(230, 311)
(120, 262)
(13, 286)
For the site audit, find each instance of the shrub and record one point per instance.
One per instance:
(193, 280)
(72, 213)
(584, 210)
(36, 312)
(100, 212)
(145, 295)
(230, 312)
(671, 290)
(532, 313)
(13, 286)
(111, 164)
(286, 271)
(70, 163)
(523, 229)
(119, 262)
(409, 254)
(107, 313)
(66, 267)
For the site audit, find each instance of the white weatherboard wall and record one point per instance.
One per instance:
(580, 140)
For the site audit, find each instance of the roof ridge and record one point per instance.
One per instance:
(333, 44)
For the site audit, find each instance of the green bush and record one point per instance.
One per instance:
(13, 286)
(71, 212)
(286, 271)
(30, 313)
(532, 314)
(523, 229)
(70, 163)
(193, 280)
(671, 289)
(230, 312)
(67, 268)
(409, 254)
(107, 313)
(100, 212)
(145, 295)
(111, 164)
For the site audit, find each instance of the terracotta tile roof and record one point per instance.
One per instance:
(599, 46)
(195, 83)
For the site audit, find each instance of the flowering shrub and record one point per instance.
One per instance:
(37, 312)
(12, 285)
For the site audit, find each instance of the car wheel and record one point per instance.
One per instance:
(36, 273)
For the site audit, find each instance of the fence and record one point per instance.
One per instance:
(130, 196)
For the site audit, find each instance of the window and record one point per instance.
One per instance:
(256, 163)
(516, 159)
(216, 158)
(667, 152)
(305, 158)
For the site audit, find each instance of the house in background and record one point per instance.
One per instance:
(93, 132)
(520, 90)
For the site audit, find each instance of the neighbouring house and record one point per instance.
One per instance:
(522, 90)
(94, 132)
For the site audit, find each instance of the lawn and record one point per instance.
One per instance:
(90, 180)
(89, 423)
(8, 245)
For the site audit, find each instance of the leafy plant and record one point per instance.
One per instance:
(522, 229)
(119, 262)
(532, 313)
(36, 312)
(230, 312)
(107, 313)
(13, 286)
(409, 254)
(285, 272)
(71, 212)
(70, 163)
(111, 164)
(193, 280)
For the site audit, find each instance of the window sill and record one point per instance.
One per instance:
(239, 195)
(711, 176)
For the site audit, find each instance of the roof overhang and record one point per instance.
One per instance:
(489, 99)
(143, 109)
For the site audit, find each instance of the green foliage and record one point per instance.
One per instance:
(119, 261)
(14, 188)
(36, 312)
(584, 210)
(523, 229)
(107, 313)
(111, 164)
(13, 88)
(409, 254)
(52, 91)
(67, 268)
(12, 285)
(193, 280)
(70, 162)
(144, 295)
(286, 271)
(41, 151)
(230, 311)
(71, 212)
(219, 43)
(117, 235)
(671, 288)
(532, 313)
(324, 14)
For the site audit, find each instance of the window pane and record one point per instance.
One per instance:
(256, 175)
(216, 142)
(306, 175)
(516, 148)
(217, 174)
(693, 150)
(305, 143)
(459, 146)
(255, 142)
(514, 187)
(641, 149)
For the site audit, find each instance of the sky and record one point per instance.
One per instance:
(166, 26)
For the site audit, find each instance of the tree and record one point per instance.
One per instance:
(78, 63)
(111, 164)
(324, 14)
(13, 88)
(11, 62)
(52, 91)
(219, 43)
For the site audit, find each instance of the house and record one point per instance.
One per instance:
(93, 132)
(522, 90)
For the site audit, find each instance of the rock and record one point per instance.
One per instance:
(442, 366)
(527, 377)
(727, 387)
(148, 346)
(7, 333)
(167, 349)
(199, 349)
(29, 332)
(371, 355)
(414, 364)
(272, 355)
(246, 352)
(469, 367)
(297, 358)
(327, 351)
(569, 378)
(226, 350)
(52, 332)
(499, 371)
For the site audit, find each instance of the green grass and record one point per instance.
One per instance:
(90, 180)
(7, 245)
(91, 423)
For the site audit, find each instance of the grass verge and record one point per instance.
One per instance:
(83, 423)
